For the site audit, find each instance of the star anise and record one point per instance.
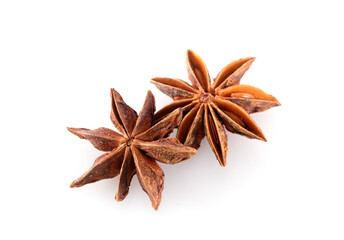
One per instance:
(207, 107)
(135, 151)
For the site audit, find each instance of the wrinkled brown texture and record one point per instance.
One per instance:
(208, 106)
(136, 150)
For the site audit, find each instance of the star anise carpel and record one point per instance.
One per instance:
(136, 150)
(208, 106)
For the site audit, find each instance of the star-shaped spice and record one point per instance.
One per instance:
(207, 107)
(135, 151)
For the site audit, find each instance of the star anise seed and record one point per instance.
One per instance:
(136, 149)
(207, 107)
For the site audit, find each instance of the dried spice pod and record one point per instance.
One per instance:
(208, 106)
(136, 150)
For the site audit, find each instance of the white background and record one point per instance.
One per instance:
(58, 60)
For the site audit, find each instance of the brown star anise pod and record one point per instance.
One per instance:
(207, 107)
(136, 150)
